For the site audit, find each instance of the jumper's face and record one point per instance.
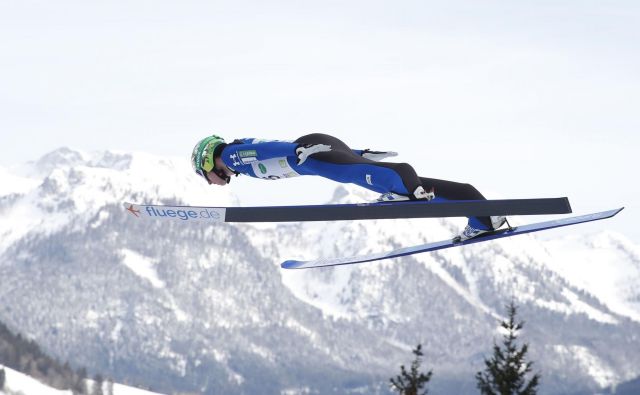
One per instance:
(213, 178)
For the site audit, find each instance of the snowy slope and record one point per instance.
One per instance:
(605, 264)
(11, 183)
(206, 308)
(19, 383)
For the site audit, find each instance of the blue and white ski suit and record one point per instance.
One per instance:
(274, 160)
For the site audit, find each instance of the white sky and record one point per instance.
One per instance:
(521, 99)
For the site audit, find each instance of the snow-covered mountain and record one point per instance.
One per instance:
(205, 308)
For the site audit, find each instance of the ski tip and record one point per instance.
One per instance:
(611, 213)
(291, 264)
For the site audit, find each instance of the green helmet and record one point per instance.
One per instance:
(202, 156)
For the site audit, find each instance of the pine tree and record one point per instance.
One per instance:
(410, 383)
(3, 378)
(505, 373)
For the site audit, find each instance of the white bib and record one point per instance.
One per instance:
(273, 169)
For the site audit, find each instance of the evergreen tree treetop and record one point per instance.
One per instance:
(507, 370)
(412, 382)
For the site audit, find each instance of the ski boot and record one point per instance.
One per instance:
(470, 232)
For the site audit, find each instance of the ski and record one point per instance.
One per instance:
(519, 230)
(343, 212)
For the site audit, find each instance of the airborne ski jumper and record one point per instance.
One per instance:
(403, 194)
(326, 156)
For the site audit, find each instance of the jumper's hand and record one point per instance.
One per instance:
(306, 150)
(377, 155)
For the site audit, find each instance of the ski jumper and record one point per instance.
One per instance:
(273, 160)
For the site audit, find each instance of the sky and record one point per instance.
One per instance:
(521, 99)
